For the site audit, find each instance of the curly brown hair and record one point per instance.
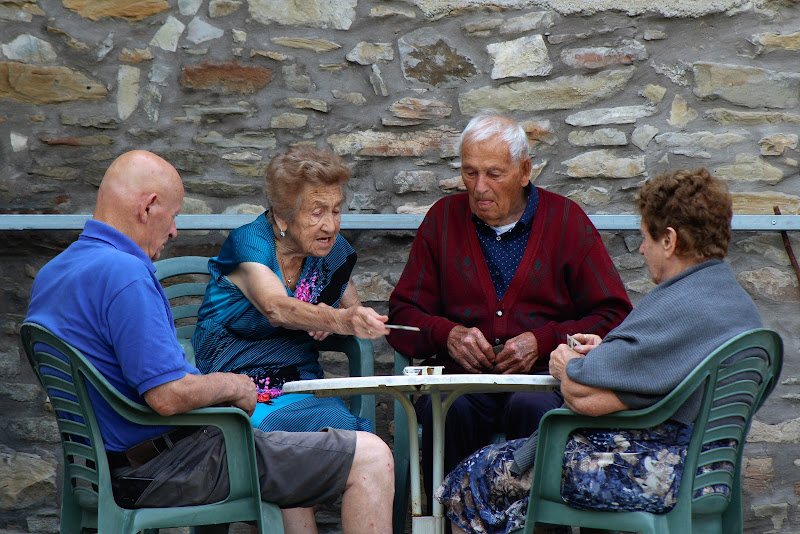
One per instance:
(289, 174)
(695, 204)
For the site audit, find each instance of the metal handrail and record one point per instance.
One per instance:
(382, 221)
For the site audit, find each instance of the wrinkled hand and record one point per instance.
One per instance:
(518, 355)
(587, 342)
(245, 396)
(365, 322)
(559, 359)
(319, 335)
(469, 348)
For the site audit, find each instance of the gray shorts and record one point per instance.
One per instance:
(296, 469)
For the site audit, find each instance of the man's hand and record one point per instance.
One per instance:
(518, 355)
(559, 359)
(470, 349)
(587, 342)
(246, 397)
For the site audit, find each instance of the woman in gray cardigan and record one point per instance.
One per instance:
(696, 306)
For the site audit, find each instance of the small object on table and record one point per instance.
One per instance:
(412, 370)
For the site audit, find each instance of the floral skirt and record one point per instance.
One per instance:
(631, 470)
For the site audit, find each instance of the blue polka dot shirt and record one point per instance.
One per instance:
(503, 252)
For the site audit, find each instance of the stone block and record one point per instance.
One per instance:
(34, 429)
(201, 31)
(315, 45)
(599, 57)
(223, 8)
(567, 92)
(431, 57)
(336, 14)
(776, 144)
(32, 84)
(603, 163)
(126, 9)
(620, 115)
(752, 87)
(289, 121)
(372, 287)
(414, 181)
(440, 141)
(366, 53)
(227, 77)
(681, 114)
(27, 48)
(770, 283)
(599, 137)
(749, 168)
(135, 55)
(420, 108)
(526, 56)
(28, 480)
(167, 35)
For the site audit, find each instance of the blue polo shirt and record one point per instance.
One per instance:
(101, 296)
(503, 252)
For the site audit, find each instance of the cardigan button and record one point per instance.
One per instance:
(499, 313)
(497, 341)
(499, 238)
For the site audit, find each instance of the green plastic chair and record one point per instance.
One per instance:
(184, 279)
(87, 501)
(735, 380)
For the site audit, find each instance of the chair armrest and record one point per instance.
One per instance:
(400, 361)
(361, 355)
(359, 351)
(235, 425)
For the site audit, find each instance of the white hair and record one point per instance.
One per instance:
(489, 124)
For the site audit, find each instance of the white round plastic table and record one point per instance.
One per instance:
(451, 386)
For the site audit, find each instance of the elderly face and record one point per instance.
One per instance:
(654, 255)
(494, 182)
(316, 223)
(161, 219)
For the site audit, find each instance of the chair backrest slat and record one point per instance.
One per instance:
(734, 393)
(184, 280)
(184, 311)
(65, 385)
(185, 289)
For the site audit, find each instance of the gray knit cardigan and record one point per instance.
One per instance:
(672, 329)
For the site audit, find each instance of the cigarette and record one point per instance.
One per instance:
(401, 327)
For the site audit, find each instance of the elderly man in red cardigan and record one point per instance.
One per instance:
(495, 280)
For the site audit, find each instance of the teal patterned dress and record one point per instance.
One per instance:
(233, 336)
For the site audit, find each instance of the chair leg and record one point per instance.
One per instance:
(401, 470)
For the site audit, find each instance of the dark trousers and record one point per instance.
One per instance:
(472, 421)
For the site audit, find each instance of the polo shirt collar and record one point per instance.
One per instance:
(96, 230)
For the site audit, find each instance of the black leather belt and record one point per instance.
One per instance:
(143, 452)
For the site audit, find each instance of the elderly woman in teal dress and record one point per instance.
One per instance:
(281, 283)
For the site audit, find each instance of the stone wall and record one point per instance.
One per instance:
(609, 92)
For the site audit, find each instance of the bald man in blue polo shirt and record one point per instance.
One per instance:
(101, 296)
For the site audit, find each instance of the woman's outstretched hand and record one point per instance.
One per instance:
(365, 322)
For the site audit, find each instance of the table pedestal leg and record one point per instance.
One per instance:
(438, 457)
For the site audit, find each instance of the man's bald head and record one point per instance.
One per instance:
(140, 195)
